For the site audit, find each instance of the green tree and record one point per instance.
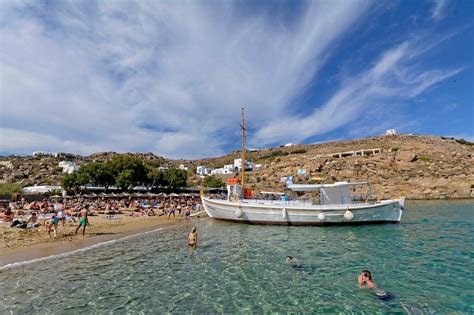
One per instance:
(175, 178)
(212, 181)
(137, 170)
(155, 177)
(124, 180)
(10, 189)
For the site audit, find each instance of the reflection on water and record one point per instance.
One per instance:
(425, 262)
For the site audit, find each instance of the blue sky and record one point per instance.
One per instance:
(170, 77)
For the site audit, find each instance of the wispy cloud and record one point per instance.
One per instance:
(158, 76)
(397, 75)
(438, 10)
(171, 76)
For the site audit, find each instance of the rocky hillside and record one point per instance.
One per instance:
(422, 167)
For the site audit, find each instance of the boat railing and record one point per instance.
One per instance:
(304, 202)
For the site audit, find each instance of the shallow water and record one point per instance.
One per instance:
(425, 262)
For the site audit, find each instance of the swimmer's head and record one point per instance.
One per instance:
(288, 258)
(367, 274)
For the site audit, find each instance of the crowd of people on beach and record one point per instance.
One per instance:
(50, 213)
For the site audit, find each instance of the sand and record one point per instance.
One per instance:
(27, 244)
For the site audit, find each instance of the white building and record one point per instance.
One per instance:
(53, 154)
(183, 167)
(390, 132)
(41, 189)
(238, 165)
(68, 167)
(202, 170)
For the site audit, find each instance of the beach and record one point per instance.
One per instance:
(27, 244)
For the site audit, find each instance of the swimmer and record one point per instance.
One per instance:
(364, 281)
(296, 264)
(192, 238)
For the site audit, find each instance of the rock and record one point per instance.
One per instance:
(27, 182)
(406, 156)
(18, 175)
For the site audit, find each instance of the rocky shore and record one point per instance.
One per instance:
(422, 167)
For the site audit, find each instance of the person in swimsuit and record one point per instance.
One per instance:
(31, 223)
(192, 238)
(364, 281)
(187, 214)
(172, 212)
(83, 221)
(52, 225)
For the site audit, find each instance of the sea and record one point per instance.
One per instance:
(425, 263)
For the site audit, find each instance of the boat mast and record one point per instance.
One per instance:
(242, 164)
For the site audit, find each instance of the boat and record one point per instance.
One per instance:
(340, 203)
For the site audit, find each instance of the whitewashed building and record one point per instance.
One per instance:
(391, 132)
(41, 189)
(183, 167)
(202, 170)
(68, 167)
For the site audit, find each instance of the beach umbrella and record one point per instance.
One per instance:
(173, 195)
(125, 194)
(56, 196)
(162, 194)
(149, 194)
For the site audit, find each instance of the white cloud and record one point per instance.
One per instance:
(438, 10)
(171, 76)
(100, 73)
(396, 76)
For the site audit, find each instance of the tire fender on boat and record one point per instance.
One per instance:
(321, 216)
(239, 213)
(348, 215)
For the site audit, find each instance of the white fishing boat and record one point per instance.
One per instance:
(340, 203)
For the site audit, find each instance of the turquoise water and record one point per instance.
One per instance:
(425, 262)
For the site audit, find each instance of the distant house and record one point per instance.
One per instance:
(68, 167)
(390, 132)
(183, 167)
(202, 170)
(53, 154)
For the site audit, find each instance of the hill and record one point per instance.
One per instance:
(423, 167)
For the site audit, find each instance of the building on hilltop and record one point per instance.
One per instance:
(391, 132)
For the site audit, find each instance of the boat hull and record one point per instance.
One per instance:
(282, 213)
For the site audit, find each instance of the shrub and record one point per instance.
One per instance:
(465, 142)
(301, 151)
(423, 159)
(10, 189)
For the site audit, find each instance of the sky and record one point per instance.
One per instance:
(171, 77)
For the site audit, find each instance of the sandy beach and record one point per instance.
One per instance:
(27, 244)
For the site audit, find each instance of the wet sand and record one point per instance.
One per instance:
(28, 244)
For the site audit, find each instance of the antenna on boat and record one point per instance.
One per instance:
(242, 162)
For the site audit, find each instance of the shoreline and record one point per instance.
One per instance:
(69, 242)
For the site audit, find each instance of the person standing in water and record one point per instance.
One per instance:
(192, 238)
(83, 220)
(187, 214)
(364, 281)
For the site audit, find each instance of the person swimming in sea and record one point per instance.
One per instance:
(364, 281)
(298, 265)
